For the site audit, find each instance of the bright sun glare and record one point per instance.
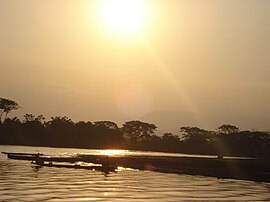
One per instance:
(110, 152)
(123, 16)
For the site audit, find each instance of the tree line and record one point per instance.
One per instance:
(61, 131)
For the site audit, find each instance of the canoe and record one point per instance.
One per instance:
(96, 159)
(22, 154)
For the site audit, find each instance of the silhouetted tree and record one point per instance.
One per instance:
(106, 124)
(194, 134)
(31, 117)
(34, 129)
(196, 140)
(60, 131)
(83, 126)
(255, 143)
(60, 122)
(6, 106)
(11, 131)
(227, 129)
(106, 134)
(170, 138)
(227, 140)
(170, 142)
(137, 131)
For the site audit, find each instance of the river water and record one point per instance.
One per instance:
(19, 181)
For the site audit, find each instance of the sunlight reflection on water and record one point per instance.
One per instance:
(21, 182)
(111, 152)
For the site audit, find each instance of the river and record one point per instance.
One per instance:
(19, 181)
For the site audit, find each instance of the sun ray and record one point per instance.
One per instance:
(175, 85)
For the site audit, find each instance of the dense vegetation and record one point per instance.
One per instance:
(63, 132)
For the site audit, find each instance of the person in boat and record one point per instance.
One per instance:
(106, 164)
(220, 156)
(38, 160)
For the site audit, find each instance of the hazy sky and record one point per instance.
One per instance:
(193, 62)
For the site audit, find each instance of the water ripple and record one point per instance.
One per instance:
(21, 182)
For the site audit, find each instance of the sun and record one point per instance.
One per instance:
(123, 16)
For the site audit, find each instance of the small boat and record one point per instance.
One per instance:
(100, 163)
(22, 154)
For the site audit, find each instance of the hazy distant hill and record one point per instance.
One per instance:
(171, 121)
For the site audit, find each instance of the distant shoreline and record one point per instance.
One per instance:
(227, 140)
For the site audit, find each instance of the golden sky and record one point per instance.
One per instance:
(173, 62)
